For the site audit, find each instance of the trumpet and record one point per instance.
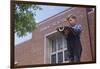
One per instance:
(61, 28)
(69, 28)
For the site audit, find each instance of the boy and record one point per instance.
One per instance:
(73, 38)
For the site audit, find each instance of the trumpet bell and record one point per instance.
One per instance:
(61, 28)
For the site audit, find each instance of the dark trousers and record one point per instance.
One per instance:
(74, 55)
(74, 48)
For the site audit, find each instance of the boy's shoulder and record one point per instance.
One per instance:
(77, 25)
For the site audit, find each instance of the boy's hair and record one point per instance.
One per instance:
(71, 16)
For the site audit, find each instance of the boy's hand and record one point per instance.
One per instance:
(67, 30)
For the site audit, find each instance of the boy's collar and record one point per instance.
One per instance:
(73, 25)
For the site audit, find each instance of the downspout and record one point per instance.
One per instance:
(89, 33)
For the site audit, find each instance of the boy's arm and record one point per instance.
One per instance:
(76, 30)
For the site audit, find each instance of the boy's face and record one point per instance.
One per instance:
(72, 21)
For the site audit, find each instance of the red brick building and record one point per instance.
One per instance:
(45, 38)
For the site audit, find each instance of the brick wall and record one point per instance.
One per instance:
(23, 53)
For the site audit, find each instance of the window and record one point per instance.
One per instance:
(60, 57)
(53, 58)
(59, 52)
(65, 43)
(59, 40)
(53, 45)
(66, 54)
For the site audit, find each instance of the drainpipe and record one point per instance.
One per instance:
(89, 33)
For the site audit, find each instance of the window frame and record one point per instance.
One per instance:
(57, 50)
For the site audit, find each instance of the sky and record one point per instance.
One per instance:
(47, 11)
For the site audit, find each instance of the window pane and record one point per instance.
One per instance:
(65, 43)
(53, 58)
(66, 55)
(53, 45)
(60, 44)
(89, 9)
(60, 57)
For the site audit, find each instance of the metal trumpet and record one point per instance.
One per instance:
(61, 28)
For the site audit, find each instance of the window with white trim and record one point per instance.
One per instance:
(59, 52)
